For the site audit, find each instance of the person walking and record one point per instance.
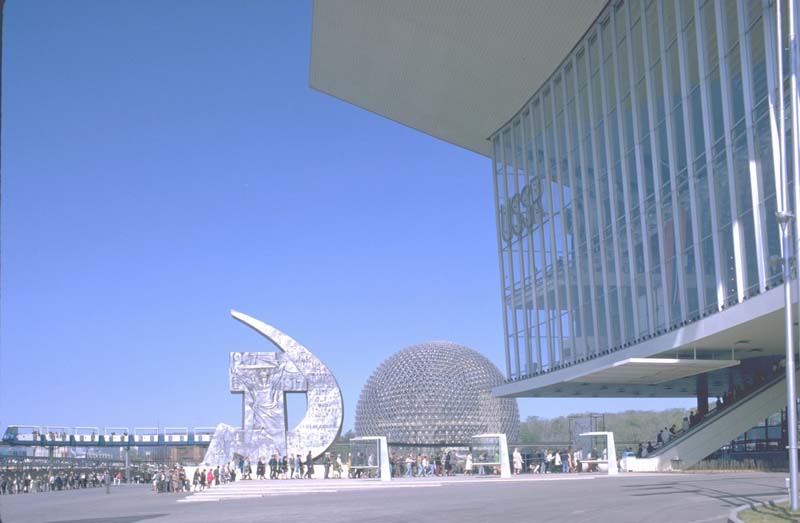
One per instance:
(468, 465)
(542, 455)
(309, 465)
(273, 467)
(284, 464)
(517, 461)
(338, 467)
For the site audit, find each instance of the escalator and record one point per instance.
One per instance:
(716, 430)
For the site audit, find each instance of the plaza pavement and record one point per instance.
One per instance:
(681, 498)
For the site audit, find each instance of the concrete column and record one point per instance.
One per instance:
(702, 394)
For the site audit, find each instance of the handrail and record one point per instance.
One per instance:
(717, 414)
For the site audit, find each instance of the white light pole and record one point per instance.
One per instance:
(785, 218)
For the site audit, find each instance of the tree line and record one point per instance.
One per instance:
(629, 427)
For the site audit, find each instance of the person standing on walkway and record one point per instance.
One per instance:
(284, 467)
(107, 481)
(273, 467)
(542, 455)
(517, 461)
(338, 467)
(309, 465)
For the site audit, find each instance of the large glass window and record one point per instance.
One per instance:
(637, 190)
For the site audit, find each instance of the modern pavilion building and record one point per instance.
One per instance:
(636, 156)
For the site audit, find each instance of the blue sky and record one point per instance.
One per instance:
(164, 162)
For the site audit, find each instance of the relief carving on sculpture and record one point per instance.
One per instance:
(263, 378)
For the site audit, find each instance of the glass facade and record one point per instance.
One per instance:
(637, 190)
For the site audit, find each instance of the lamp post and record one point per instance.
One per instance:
(784, 219)
(791, 405)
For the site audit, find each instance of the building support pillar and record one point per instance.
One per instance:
(702, 395)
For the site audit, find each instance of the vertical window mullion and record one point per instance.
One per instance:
(579, 116)
(756, 180)
(510, 243)
(543, 244)
(640, 163)
(637, 151)
(565, 242)
(528, 138)
(580, 270)
(665, 78)
(770, 53)
(611, 188)
(516, 130)
(598, 192)
(656, 158)
(684, 80)
(552, 230)
(727, 119)
(625, 185)
(705, 101)
(497, 149)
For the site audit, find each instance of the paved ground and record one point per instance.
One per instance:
(683, 498)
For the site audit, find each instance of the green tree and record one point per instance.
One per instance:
(630, 427)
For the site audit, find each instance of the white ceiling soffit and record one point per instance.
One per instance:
(454, 69)
(647, 371)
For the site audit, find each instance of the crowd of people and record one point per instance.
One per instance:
(293, 466)
(35, 480)
(549, 462)
(170, 480)
(422, 465)
(356, 465)
(559, 461)
(449, 463)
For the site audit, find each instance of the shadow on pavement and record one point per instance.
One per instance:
(120, 519)
(687, 488)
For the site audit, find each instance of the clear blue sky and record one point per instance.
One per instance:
(164, 162)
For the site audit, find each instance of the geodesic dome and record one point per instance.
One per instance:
(435, 393)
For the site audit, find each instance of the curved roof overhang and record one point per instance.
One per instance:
(454, 69)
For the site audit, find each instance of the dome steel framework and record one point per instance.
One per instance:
(435, 393)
